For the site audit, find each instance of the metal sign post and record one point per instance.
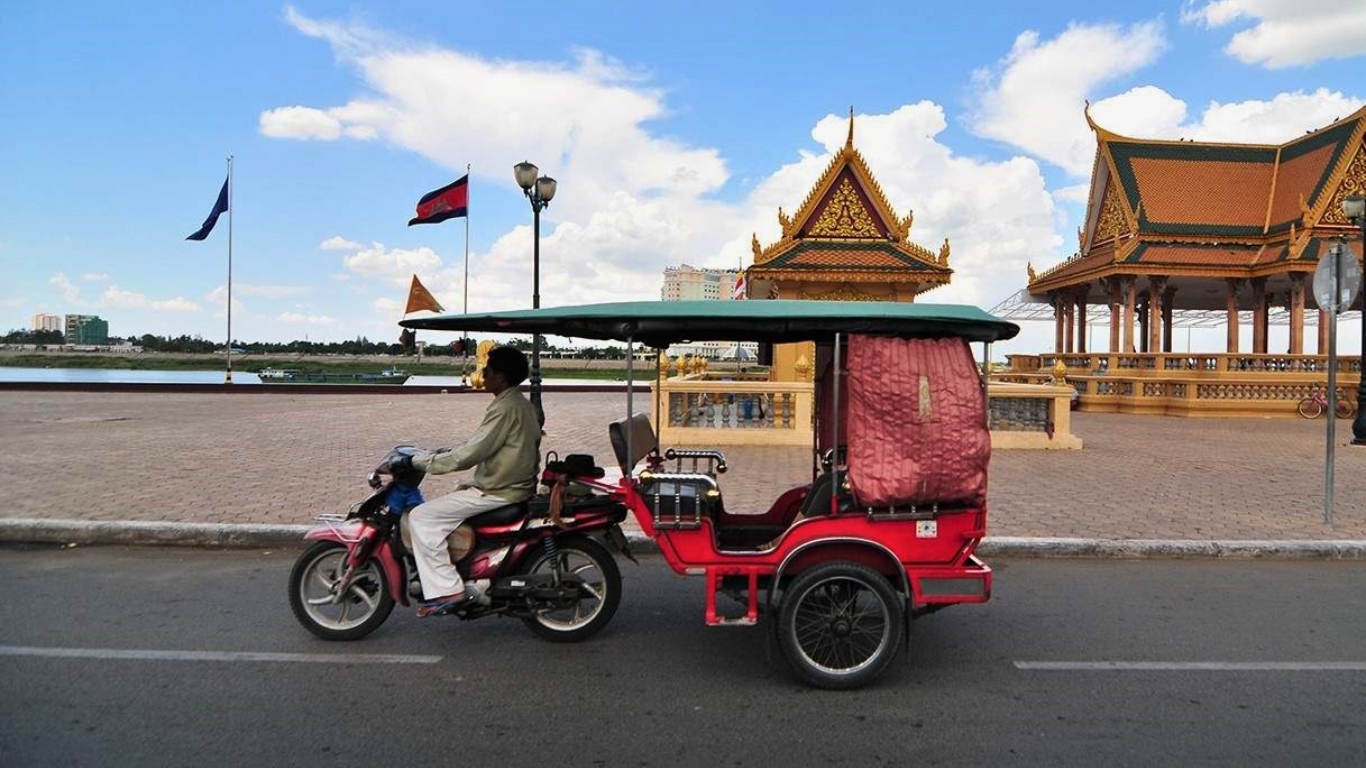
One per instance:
(1336, 282)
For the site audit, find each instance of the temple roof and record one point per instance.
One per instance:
(845, 229)
(1222, 208)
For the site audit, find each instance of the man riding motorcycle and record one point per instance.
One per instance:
(506, 449)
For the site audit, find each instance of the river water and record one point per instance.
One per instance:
(112, 376)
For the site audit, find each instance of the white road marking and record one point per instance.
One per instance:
(1199, 666)
(134, 655)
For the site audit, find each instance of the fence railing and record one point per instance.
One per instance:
(1189, 384)
(701, 411)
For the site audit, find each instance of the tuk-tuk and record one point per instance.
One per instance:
(887, 527)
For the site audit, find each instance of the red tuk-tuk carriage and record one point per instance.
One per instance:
(887, 528)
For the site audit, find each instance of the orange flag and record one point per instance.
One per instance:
(421, 298)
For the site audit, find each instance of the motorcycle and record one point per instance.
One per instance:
(547, 561)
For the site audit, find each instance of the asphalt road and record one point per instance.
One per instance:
(137, 657)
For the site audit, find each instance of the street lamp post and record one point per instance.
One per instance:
(1354, 208)
(539, 190)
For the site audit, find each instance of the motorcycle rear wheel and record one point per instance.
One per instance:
(839, 625)
(590, 561)
(365, 606)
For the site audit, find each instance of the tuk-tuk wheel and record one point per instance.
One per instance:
(839, 625)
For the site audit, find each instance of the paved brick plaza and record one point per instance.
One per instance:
(279, 458)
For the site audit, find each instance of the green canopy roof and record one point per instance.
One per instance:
(661, 323)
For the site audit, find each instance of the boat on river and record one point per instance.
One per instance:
(390, 375)
(277, 375)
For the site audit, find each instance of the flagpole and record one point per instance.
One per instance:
(465, 309)
(229, 355)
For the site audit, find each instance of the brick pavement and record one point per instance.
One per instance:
(278, 459)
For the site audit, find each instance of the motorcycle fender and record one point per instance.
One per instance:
(349, 533)
(394, 571)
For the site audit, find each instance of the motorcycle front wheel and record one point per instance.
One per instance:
(590, 562)
(353, 615)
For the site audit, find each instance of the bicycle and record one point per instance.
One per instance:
(1316, 404)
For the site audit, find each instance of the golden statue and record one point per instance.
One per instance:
(1029, 269)
(754, 246)
(944, 253)
(481, 359)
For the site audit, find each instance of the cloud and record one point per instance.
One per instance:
(1042, 84)
(70, 292)
(95, 277)
(455, 108)
(1034, 99)
(393, 266)
(339, 243)
(641, 202)
(1077, 193)
(115, 296)
(296, 317)
(219, 296)
(301, 123)
(1286, 34)
(272, 291)
(1150, 112)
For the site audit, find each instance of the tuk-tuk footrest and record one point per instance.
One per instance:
(715, 576)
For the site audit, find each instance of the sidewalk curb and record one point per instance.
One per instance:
(30, 530)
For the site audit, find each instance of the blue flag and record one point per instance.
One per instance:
(219, 208)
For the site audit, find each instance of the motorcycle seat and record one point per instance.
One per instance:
(499, 517)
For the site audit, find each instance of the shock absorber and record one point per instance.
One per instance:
(551, 556)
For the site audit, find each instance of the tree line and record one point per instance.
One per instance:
(186, 344)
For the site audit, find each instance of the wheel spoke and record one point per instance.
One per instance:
(318, 574)
(365, 597)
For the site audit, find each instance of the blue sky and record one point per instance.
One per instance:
(675, 131)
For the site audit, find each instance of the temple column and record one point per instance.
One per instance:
(1082, 325)
(1297, 313)
(1259, 316)
(1231, 303)
(1323, 332)
(1115, 289)
(1168, 302)
(1156, 286)
(1069, 314)
(1130, 305)
(1058, 323)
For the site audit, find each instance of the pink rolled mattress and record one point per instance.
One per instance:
(917, 423)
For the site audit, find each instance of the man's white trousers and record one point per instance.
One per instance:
(430, 523)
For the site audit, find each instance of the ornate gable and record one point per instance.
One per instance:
(845, 213)
(846, 217)
(1349, 178)
(1112, 222)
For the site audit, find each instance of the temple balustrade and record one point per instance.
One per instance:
(1212, 385)
(719, 409)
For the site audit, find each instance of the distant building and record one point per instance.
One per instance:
(44, 321)
(688, 283)
(86, 329)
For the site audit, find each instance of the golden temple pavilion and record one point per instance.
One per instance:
(845, 242)
(1177, 226)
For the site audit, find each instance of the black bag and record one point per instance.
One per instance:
(578, 464)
